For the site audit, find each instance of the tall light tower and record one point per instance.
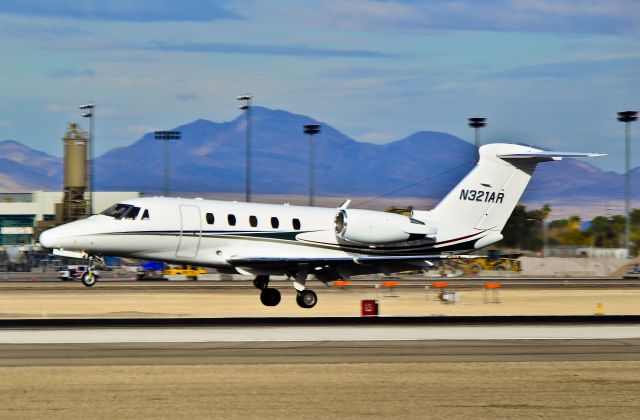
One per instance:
(477, 123)
(246, 106)
(90, 112)
(165, 136)
(312, 130)
(627, 117)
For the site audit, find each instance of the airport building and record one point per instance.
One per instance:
(20, 213)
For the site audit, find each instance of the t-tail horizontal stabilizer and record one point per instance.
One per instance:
(548, 155)
(485, 198)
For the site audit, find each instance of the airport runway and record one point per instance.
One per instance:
(355, 369)
(340, 343)
(305, 352)
(47, 281)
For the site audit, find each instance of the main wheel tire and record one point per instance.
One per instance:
(89, 279)
(270, 297)
(261, 282)
(307, 299)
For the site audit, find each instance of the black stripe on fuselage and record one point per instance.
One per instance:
(290, 238)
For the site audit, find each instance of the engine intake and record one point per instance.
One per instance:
(376, 227)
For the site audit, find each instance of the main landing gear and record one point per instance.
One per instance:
(307, 299)
(269, 296)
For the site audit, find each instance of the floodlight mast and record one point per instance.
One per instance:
(166, 136)
(627, 117)
(477, 123)
(90, 113)
(312, 130)
(246, 106)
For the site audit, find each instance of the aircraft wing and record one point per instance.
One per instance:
(360, 259)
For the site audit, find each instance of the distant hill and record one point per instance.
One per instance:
(23, 169)
(210, 157)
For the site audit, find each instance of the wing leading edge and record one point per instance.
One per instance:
(361, 260)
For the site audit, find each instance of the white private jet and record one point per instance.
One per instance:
(328, 243)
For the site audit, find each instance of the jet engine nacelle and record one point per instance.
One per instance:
(376, 227)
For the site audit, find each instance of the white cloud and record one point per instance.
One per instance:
(120, 10)
(543, 16)
(58, 108)
(379, 137)
(137, 130)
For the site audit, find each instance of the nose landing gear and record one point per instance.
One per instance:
(90, 277)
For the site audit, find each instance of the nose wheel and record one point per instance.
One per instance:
(306, 299)
(89, 278)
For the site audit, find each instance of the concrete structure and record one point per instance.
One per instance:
(20, 212)
(75, 174)
(590, 252)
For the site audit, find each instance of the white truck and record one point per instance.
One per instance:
(75, 272)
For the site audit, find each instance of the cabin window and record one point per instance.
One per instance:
(253, 221)
(296, 224)
(275, 222)
(210, 218)
(117, 210)
(145, 214)
(132, 213)
(231, 219)
(123, 211)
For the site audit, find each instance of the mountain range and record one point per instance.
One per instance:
(210, 158)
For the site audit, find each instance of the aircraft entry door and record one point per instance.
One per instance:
(190, 231)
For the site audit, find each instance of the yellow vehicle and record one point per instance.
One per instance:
(405, 211)
(188, 271)
(493, 261)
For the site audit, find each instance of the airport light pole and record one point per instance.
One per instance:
(477, 123)
(627, 117)
(246, 106)
(312, 130)
(166, 136)
(90, 112)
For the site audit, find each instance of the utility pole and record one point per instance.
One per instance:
(166, 136)
(312, 130)
(246, 106)
(477, 123)
(90, 112)
(627, 117)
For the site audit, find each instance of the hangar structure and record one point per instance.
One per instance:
(22, 215)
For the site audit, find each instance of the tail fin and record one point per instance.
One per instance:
(485, 198)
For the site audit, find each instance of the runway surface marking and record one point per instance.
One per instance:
(316, 334)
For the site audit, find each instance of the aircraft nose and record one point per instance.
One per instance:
(47, 238)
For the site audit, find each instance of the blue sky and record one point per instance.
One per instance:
(547, 72)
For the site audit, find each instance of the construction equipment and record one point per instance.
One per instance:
(150, 270)
(495, 260)
(188, 271)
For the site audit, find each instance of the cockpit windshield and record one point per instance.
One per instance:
(122, 211)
